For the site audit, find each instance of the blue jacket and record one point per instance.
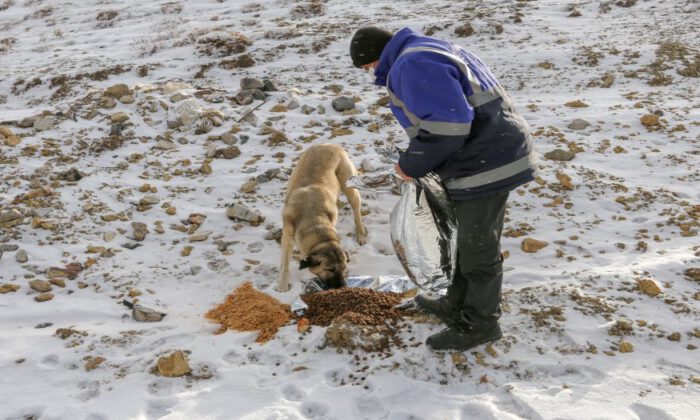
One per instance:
(460, 121)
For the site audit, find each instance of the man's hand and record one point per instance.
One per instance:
(402, 175)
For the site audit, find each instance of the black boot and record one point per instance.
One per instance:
(460, 337)
(441, 307)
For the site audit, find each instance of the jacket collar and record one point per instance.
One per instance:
(391, 52)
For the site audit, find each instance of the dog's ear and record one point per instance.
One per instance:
(309, 261)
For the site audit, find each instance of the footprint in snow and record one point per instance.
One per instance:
(293, 393)
(314, 410)
(337, 377)
(160, 407)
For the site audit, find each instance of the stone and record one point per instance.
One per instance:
(307, 109)
(94, 362)
(250, 186)
(579, 124)
(229, 152)
(174, 365)
(293, 104)
(127, 99)
(40, 285)
(108, 236)
(371, 165)
(140, 230)
(239, 212)
(165, 145)
(343, 103)
(8, 288)
(649, 120)
(119, 117)
(12, 141)
(71, 175)
(269, 86)
(172, 87)
(117, 91)
(199, 237)
(10, 218)
(244, 97)
(676, 336)
(8, 247)
(625, 347)
(107, 102)
(252, 83)
(576, 104)
(531, 245)
(149, 200)
(58, 282)
(44, 297)
(143, 314)
(5, 131)
(21, 256)
(210, 150)
(188, 111)
(560, 155)
(26, 122)
(565, 181)
(229, 139)
(44, 123)
(649, 287)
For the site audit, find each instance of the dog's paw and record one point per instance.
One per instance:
(282, 288)
(361, 237)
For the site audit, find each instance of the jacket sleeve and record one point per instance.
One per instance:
(429, 90)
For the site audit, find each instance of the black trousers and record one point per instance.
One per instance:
(476, 287)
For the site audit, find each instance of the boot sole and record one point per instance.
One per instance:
(496, 337)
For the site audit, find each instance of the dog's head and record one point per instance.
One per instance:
(329, 262)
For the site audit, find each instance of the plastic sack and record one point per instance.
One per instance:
(424, 233)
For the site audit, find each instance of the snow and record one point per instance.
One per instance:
(543, 368)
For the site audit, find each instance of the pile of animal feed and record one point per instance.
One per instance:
(247, 309)
(360, 306)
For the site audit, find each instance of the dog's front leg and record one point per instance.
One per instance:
(287, 245)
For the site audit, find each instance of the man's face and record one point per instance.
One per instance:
(369, 70)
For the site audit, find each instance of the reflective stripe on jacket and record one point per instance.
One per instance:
(460, 122)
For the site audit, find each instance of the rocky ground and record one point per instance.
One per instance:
(144, 152)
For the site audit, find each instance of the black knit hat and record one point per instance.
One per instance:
(367, 45)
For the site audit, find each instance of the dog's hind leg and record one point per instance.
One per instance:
(345, 170)
(287, 245)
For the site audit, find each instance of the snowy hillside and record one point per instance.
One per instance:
(126, 138)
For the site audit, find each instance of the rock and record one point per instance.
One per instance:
(149, 200)
(250, 186)
(10, 218)
(127, 99)
(559, 155)
(676, 336)
(269, 86)
(579, 124)
(165, 145)
(576, 104)
(371, 165)
(205, 169)
(199, 237)
(188, 111)
(117, 91)
(343, 103)
(143, 314)
(107, 102)
(174, 365)
(140, 230)
(8, 288)
(58, 282)
(21, 256)
(649, 120)
(210, 150)
(648, 287)
(693, 273)
(8, 247)
(44, 297)
(72, 175)
(179, 96)
(119, 117)
(26, 122)
(565, 181)
(94, 362)
(248, 83)
(625, 347)
(293, 104)
(43, 124)
(172, 87)
(344, 334)
(229, 139)
(228, 152)
(239, 212)
(307, 109)
(12, 141)
(531, 245)
(244, 97)
(40, 285)
(5, 131)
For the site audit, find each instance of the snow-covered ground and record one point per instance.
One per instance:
(615, 82)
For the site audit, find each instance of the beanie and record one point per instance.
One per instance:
(367, 45)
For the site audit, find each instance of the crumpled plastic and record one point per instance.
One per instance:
(423, 224)
(423, 229)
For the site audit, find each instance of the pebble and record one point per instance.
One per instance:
(45, 123)
(173, 365)
(117, 91)
(21, 256)
(531, 245)
(143, 314)
(119, 117)
(199, 237)
(44, 297)
(252, 83)
(165, 145)
(8, 247)
(269, 86)
(140, 230)
(250, 186)
(40, 285)
(239, 212)
(343, 103)
(559, 155)
(307, 109)
(579, 124)
(229, 139)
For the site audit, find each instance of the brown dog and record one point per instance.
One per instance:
(310, 213)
